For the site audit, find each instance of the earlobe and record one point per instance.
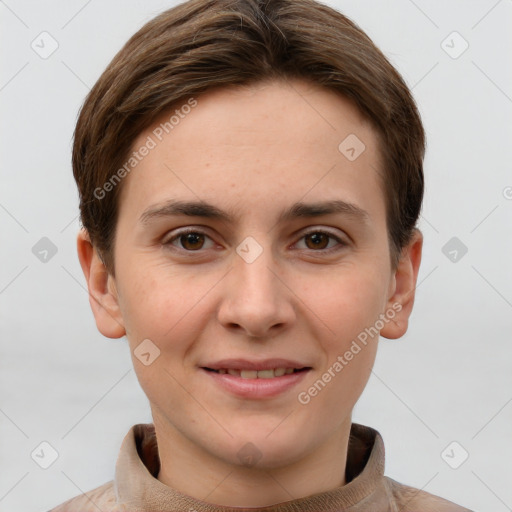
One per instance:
(401, 302)
(103, 296)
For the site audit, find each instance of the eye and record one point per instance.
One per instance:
(189, 239)
(317, 240)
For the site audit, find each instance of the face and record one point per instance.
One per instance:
(255, 282)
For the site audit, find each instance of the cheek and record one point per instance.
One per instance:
(169, 308)
(351, 308)
(351, 302)
(157, 299)
(165, 308)
(327, 400)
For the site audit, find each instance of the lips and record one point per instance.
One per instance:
(256, 380)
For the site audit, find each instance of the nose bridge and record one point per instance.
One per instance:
(253, 269)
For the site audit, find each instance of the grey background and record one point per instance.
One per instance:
(448, 379)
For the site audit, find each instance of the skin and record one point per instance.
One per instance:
(253, 150)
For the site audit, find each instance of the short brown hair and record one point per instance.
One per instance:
(202, 44)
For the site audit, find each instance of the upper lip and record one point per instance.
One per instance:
(245, 364)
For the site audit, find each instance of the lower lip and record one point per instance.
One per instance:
(256, 388)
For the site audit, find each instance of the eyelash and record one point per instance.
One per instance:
(195, 231)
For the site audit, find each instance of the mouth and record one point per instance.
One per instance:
(256, 379)
(270, 373)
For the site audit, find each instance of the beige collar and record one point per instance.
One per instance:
(138, 464)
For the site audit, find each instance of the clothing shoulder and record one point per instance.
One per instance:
(410, 499)
(101, 498)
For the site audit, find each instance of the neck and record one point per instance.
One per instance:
(189, 469)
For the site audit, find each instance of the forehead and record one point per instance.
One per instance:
(258, 145)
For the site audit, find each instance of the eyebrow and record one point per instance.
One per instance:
(297, 210)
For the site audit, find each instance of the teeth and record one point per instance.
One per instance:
(249, 374)
(260, 374)
(265, 374)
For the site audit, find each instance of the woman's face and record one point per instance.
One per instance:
(283, 267)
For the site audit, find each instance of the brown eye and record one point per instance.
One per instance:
(189, 241)
(318, 240)
(192, 241)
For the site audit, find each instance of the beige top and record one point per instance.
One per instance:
(136, 488)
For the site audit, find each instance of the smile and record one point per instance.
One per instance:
(255, 380)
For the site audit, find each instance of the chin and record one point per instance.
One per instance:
(260, 451)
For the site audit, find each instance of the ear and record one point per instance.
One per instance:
(103, 296)
(403, 288)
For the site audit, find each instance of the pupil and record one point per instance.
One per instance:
(316, 238)
(192, 238)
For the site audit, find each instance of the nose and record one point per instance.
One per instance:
(256, 299)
